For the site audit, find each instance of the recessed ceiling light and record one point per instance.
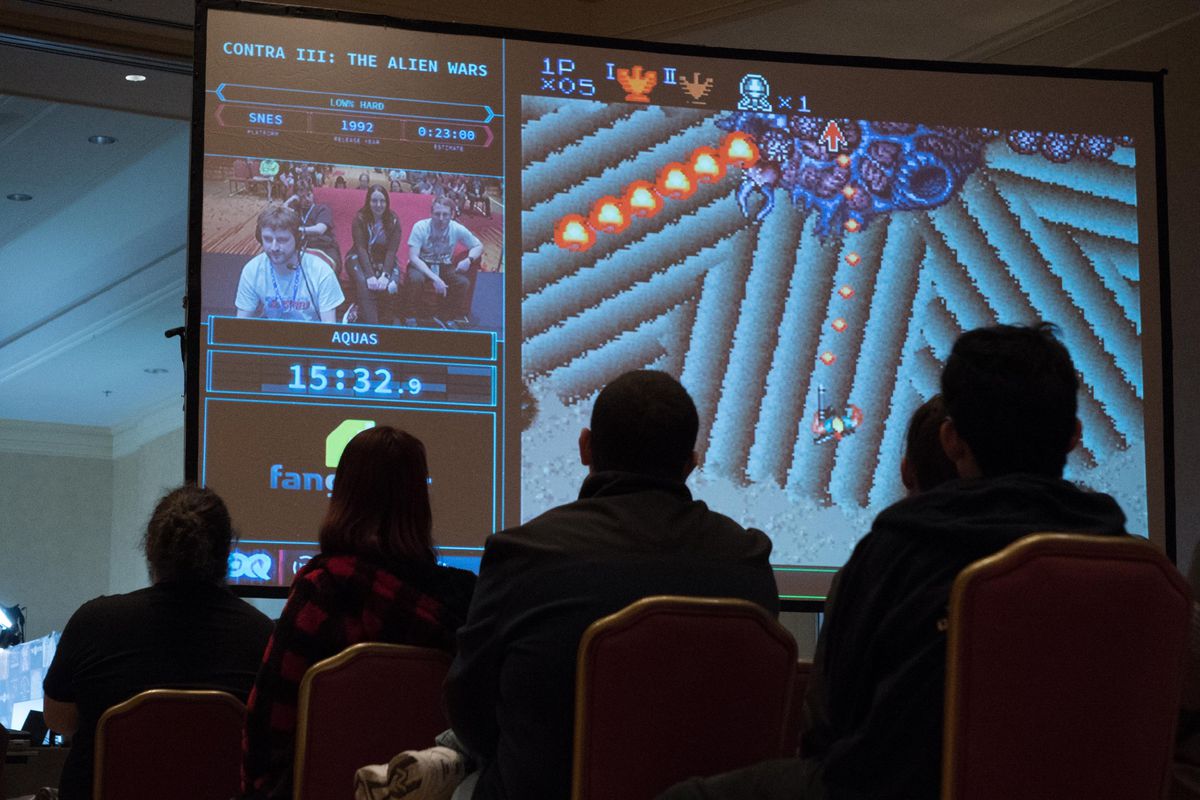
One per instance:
(135, 78)
(102, 139)
(154, 370)
(20, 197)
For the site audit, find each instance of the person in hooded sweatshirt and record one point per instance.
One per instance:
(873, 713)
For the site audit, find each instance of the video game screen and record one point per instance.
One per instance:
(468, 235)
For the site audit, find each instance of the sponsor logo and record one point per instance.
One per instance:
(254, 566)
(340, 436)
(283, 478)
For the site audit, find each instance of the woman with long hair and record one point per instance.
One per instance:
(376, 579)
(376, 232)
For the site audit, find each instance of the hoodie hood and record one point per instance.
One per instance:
(987, 514)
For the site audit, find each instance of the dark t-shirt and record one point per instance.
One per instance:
(173, 635)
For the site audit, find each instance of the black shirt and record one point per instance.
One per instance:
(173, 635)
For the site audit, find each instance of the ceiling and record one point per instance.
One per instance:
(92, 268)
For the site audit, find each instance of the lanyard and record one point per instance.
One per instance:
(278, 294)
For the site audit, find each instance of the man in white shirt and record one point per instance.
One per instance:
(283, 281)
(434, 287)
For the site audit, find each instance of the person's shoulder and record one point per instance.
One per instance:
(255, 262)
(106, 604)
(748, 543)
(315, 262)
(110, 610)
(540, 536)
(248, 612)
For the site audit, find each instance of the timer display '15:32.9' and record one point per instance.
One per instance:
(359, 379)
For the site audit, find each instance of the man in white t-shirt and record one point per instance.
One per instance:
(433, 286)
(283, 282)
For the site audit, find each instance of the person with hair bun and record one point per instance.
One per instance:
(376, 579)
(185, 631)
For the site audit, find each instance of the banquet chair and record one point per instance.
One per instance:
(672, 687)
(1064, 667)
(182, 744)
(364, 706)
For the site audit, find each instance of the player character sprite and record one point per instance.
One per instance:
(437, 290)
(284, 281)
(830, 426)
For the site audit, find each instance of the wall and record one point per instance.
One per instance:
(73, 505)
(55, 520)
(140, 478)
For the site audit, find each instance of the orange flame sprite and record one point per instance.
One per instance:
(707, 165)
(609, 215)
(676, 181)
(739, 148)
(839, 325)
(642, 199)
(572, 233)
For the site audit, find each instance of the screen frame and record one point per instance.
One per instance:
(789, 603)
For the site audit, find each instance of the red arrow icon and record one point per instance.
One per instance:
(833, 137)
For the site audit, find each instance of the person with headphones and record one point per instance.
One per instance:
(283, 281)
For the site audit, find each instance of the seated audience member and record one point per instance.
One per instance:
(434, 287)
(185, 631)
(925, 463)
(283, 281)
(373, 262)
(316, 221)
(635, 531)
(873, 713)
(477, 199)
(376, 579)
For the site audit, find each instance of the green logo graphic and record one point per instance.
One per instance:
(340, 436)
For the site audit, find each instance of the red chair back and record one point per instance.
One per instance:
(1064, 666)
(364, 706)
(185, 745)
(673, 687)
